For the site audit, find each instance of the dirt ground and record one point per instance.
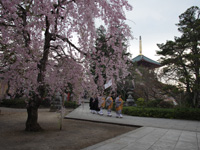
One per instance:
(75, 134)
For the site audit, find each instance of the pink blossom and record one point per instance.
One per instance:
(69, 57)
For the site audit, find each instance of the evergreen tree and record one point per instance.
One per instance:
(99, 65)
(181, 57)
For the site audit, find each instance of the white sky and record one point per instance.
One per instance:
(154, 21)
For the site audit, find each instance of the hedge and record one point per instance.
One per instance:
(70, 104)
(20, 103)
(14, 103)
(176, 113)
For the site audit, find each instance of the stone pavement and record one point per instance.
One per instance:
(154, 134)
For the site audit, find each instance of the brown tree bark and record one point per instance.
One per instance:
(32, 108)
(32, 119)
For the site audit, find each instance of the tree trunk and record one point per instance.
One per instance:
(32, 119)
(32, 109)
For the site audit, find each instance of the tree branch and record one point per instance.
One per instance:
(70, 43)
(64, 54)
(7, 25)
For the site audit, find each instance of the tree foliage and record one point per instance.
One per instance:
(181, 57)
(106, 64)
(46, 45)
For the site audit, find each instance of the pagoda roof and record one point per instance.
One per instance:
(141, 59)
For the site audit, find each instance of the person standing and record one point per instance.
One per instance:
(96, 104)
(92, 105)
(119, 106)
(109, 105)
(104, 102)
(101, 104)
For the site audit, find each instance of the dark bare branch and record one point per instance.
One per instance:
(6, 25)
(70, 43)
(64, 55)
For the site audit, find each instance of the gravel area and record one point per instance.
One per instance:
(75, 134)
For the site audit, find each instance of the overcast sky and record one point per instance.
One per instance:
(154, 21)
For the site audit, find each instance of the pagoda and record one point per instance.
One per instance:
(144, 61)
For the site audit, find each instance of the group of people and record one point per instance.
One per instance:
(98, 103)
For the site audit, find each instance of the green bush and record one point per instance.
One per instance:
(187, 113)
(165, 104)
(153, 103)
(176, 113)
(140, 102)
(20, 103)
(70, 104)
(14, 103)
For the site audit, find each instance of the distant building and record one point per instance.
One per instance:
(144, 61)
(146, 83)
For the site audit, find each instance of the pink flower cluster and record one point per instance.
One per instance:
(64, 31)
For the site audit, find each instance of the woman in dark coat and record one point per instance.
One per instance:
(96, 104)
(92, 104)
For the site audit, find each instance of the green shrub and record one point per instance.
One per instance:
(140, 102)
(177, 113)
(70, 104)
(165, 104)
(20, 103)
(147, 112)
(14, 103)
(187, 113)
(153, 103)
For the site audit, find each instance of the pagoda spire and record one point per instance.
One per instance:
(140, 45)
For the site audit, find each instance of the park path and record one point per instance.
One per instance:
(154, 134)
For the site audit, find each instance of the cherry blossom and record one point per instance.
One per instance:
(49, 44)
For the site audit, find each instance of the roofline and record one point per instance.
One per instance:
(144, 58)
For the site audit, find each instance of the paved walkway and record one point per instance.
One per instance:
(154, 134)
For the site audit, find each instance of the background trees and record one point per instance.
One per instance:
(181, 57)
(45, 45)
(147, 85)
(107, 64)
